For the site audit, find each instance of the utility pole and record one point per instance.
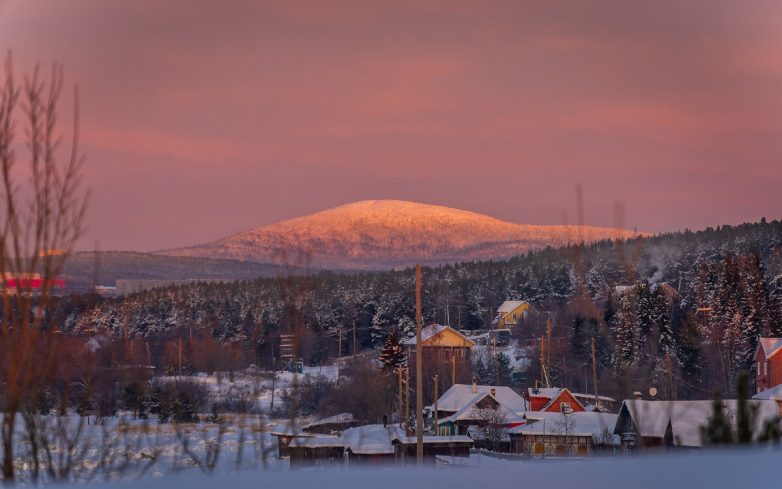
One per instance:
(594, 369)
(354, 338)
(548, 342)
(496, 361)
(419, 392)
(436, 416)
(407, 401)
(180, 357)
(670, 374)
(149, 355)
(339, 355)
(543, 362)
(453, 370)
(399, 370)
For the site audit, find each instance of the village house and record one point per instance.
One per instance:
(445, 353)
(463, 407)
(577, 434)
(372, 444)
(648, 425)
(333, 425)
(768, 361)
(510, 313)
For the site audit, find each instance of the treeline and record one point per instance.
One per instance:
(723, 288)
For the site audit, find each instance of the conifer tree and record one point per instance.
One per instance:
(392, 355)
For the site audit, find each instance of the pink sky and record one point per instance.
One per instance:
(201, 119)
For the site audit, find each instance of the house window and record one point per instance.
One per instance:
(445, 354)
(564, 407)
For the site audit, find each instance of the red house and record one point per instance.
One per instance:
(554, 400)
(768, 373)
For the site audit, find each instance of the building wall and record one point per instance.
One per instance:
(761, 371)
(552, 445)
(513, 317)
(775, 370)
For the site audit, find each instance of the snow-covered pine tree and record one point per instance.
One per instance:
(392, 355)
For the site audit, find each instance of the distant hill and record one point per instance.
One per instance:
(84, 269)
(382, 234)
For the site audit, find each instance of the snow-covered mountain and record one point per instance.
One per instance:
(379, 234)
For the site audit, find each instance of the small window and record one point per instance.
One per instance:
(564, 407)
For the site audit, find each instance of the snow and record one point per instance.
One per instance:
(337, 418)
(460, 395)
(651, 418)
(431, 331)
(509, 306)
(378, 234)
(775, 393)
(580, 424)
(715, 470)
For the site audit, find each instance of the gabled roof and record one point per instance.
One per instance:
(770, 346)
(429, 332)
(510, 306)
(559, 394)
(651, 418)
(579, 424)
(459, 395)
(466, 413)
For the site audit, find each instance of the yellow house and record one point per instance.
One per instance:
(510, 313)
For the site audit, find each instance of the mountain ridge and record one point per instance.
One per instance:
(375, 234)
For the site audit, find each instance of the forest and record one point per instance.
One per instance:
(679, 311)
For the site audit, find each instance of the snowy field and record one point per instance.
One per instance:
(714, 470)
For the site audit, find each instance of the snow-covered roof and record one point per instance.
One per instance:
(770, 346)
(549, 392)
(775, 394)
(319, 441)
(578, 424)
(289, 429)
(651, 418)
(336, 419)
(428, 332)
(467, 413)
(409, 440)
(459, 395)
(373, 439)
(510, 306)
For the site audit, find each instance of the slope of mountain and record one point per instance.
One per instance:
(376, 234)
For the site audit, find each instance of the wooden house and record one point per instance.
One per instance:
(445, 352)
(577, 434)
(372, 445)
(768, 361)
(667, 424)
(510, 314)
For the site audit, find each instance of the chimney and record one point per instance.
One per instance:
(493, 392)
(637, 395)
(474, 384)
